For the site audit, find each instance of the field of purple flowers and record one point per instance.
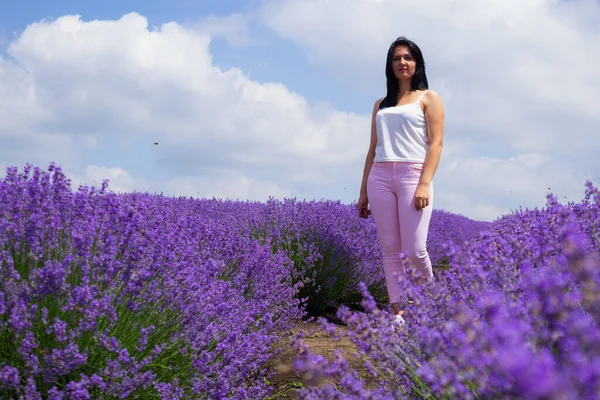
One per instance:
(517, 315)
(137, 295)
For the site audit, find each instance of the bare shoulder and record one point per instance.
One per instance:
(432, 95)
(377, 103)
(432, 100)
(376, 106)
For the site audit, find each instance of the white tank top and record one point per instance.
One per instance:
(402, 133)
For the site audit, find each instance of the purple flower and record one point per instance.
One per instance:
(180, 297)
(515, 316)
(9, 378)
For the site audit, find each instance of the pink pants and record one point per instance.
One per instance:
(391, 188)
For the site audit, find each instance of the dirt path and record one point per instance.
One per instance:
(286, 382)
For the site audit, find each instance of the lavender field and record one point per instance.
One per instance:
(144, 296)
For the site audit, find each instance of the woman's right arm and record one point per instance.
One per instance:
(363, 199)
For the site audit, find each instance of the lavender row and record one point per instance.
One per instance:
(132, 296)
(516, 316)
(145, 295)
(332, 250)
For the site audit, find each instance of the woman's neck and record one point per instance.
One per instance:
(403, 88)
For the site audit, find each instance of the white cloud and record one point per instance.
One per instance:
(518, 79)
(486, 187)
(113, 88)
(233, 28)
(120, 181)
(504, 64)
(235, 187)
(18, 112)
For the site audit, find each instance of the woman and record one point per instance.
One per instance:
(407, 130)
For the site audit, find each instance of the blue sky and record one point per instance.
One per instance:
(19, 13)
(283, 59)
(250, 99)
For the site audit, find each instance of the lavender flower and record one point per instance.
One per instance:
(133, 294)
(515, 316)
(141, 295)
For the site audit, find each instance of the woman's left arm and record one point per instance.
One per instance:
(434, 115)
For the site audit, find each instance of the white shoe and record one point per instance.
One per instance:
(398, 322)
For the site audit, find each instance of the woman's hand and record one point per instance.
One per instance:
(422, 196)
(363, 206)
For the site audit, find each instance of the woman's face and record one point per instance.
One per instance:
(403, 63)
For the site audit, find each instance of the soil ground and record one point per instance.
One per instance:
(286, 382)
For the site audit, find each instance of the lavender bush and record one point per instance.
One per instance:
(446, 229)
(131, 296)
(516, 316)
(332, 250)
(141, 295)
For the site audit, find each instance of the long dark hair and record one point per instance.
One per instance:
(417, 82)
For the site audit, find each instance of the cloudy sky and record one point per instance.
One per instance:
(251, 99)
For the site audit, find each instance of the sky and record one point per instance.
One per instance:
(272, 98)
